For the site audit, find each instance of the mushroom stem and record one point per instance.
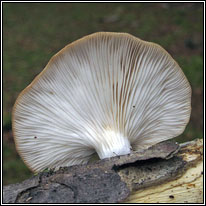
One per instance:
(114, 143)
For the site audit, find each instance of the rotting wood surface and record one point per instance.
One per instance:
(188, 188)
(113, 180)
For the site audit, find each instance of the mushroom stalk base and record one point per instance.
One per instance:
(113, 144)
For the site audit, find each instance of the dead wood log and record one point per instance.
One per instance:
(166, 172)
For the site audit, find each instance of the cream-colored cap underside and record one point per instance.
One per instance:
(104, 93)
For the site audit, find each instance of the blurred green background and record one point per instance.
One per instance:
(34, 32)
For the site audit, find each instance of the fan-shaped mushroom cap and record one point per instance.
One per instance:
(104, 93)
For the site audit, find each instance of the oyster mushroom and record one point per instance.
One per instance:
(105, 93)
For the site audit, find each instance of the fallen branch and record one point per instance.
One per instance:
(166, 172)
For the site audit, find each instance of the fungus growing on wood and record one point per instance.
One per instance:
(106, 93)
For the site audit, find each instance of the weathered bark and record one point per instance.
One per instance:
(185, 188)
(110, 180)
